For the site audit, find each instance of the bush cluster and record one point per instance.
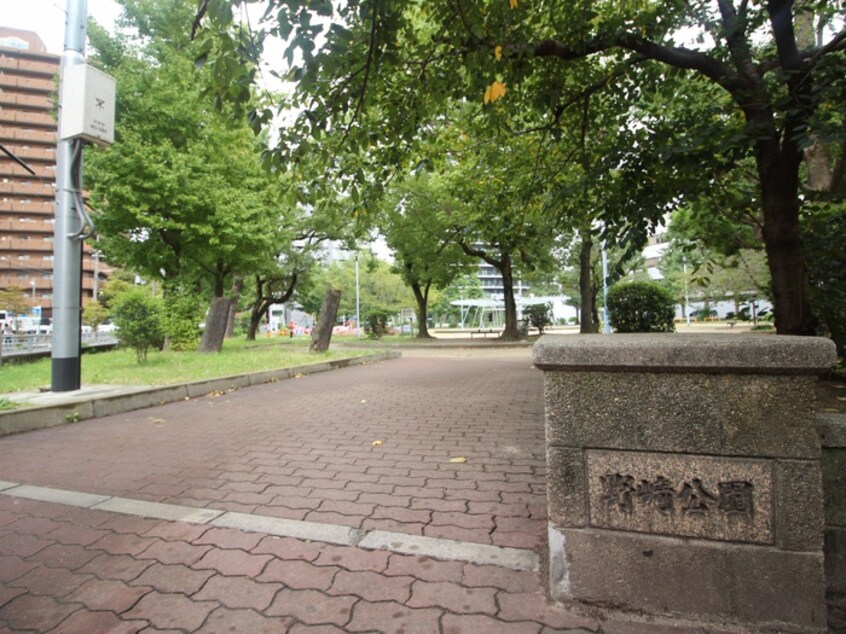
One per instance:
(641, 307)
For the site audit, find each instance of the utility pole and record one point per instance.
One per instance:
(67, 249)
(86, 114)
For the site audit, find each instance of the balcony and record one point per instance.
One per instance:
(28, 84)
(29, 66)
(34, 102)
(8, 169)
(26, 246)
(43, 154)
(27, 190)
(18, 208)
(28, 137)
(27, 118)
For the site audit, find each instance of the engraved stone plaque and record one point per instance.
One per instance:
(724, 499)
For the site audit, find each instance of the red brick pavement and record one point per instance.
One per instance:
(240, 586)
(299, 449)
(303, 449)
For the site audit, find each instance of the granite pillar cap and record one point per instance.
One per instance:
(673, 352)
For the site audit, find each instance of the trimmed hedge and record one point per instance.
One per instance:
(641, 307)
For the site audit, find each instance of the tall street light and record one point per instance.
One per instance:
(357, 300)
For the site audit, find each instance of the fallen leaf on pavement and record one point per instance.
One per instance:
(458, 460)
(378, 443)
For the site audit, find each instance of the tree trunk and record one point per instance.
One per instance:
(322, 333)
(256, 314)
(778, 170)
(792, 309)
(237, 286)
(511, 332)
(587, 325)
(212, 340)
(422, 297)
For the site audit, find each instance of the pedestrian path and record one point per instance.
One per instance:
(189, 516)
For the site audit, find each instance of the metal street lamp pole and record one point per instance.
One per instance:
(606, 326)
(686, 296)
(357, 300)
(96, 257)
(67, 247)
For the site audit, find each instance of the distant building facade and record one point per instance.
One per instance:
(28, 85)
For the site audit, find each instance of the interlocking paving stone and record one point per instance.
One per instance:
(56, 582)
(238, 592)
(172, 578)
(115, 596)
(232, 562)
(392, 617)
(30, 612)
(454, 597)
(121, 567)
(227, 621)
(171, 611)
(473, 624)
(312, 607)
(85, 622)
(299, 574)
(13, 567)
(372, 586)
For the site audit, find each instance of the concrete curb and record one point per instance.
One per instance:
(31, 418)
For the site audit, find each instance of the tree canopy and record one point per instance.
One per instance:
(377, 73)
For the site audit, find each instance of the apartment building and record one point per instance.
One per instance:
(28, 86)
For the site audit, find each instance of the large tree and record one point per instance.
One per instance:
(426, 256)
(404, 59)
(182, 194)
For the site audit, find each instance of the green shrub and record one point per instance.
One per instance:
(181, 315)
(138, 318)
(376, 323)
(641, 307)
(538, 315)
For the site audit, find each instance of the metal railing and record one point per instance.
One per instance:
(36, 342)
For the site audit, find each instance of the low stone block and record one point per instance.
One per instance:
(710, 581)
(201, 388)
(128, 402)
(566, 486)
(17, 421)
(800, 520)
(638, 411)
(768, 416)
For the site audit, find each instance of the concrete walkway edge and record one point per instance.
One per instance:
(76, 409)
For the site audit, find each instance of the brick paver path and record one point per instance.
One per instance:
(300, 449)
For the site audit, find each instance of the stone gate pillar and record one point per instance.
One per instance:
(684, 476)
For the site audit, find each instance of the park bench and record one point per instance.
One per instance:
(484, 332)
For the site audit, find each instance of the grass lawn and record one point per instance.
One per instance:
(119, 367)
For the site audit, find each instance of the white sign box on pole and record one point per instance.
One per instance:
(87, 105)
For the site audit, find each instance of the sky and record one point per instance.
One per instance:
(47, 18)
